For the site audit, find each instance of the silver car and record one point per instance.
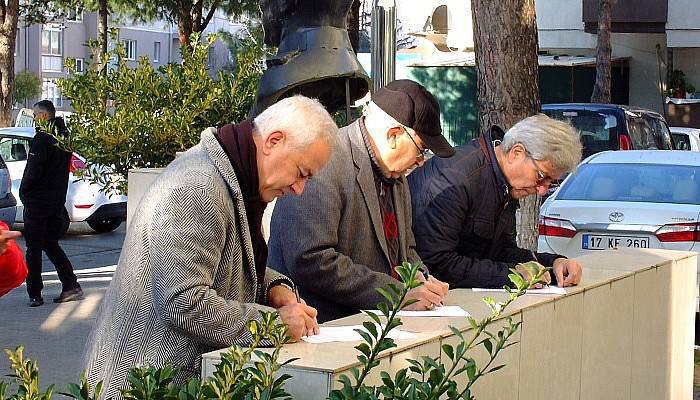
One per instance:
(639, 199)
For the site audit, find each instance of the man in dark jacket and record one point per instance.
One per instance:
(464, 206)
(43, 193)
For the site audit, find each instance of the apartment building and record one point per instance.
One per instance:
(43, 49)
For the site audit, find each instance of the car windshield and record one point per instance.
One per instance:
(648, 183)
(648, 133)
(681, 140)
(599, 130)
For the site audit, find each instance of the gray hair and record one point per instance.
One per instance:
(378, 118)
(302, 119)
(548, 139)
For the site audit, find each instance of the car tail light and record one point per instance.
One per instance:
(625, 143)
(679, 233)
(556, 227)
(76, 163)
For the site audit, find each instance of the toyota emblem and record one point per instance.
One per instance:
(616, 216)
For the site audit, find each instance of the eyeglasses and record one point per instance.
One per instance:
(542, 178)
(422, 153)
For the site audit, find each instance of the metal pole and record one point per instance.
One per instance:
(347, 101)
(383, 44)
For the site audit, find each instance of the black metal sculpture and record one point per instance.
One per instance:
(314, 56)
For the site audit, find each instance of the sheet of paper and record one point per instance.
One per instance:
(440, 311)
(544, 290)
(348, 334)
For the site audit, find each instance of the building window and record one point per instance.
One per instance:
(79, 65)
(75, 15)
(156, 51)
(51, 91)
(51, 50)
(130, 47)
(51, 41)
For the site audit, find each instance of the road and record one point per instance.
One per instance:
(55, 334)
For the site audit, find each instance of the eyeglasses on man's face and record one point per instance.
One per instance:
(542, 178)
(422, 153)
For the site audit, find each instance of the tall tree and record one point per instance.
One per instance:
(601, 89)
(9, 17)
(192, 15)
(27, 86)
(505, 41)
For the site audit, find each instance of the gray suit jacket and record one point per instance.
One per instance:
(330, 240)
(186, 281)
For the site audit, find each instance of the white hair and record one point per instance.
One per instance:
(381, 121)
(548, 139)
(302, 119)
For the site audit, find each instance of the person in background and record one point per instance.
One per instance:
(341, 240)
(43, 193)
(464, 207)
(193, 269)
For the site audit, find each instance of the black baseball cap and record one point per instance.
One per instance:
(410, 104)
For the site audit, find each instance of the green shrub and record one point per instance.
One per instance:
(140, 117)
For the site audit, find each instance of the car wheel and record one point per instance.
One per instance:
(105, 225)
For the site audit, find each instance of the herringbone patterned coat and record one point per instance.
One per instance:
(186, 282)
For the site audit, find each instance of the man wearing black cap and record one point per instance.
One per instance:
(342, 238)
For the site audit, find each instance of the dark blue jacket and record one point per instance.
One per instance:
(464, 218)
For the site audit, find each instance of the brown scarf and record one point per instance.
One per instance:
(237, 141)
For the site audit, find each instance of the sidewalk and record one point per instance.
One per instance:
(53, 334)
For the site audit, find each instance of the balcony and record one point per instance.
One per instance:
(629, 16)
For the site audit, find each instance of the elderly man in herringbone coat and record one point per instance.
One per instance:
(192, 272)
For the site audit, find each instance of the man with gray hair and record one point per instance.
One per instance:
(341, 240)
(464, 207)
(193, 269)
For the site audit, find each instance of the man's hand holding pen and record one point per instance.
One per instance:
(430, 294)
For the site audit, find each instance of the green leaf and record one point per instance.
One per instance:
(448, 350)
(371, 328)
(494, 369)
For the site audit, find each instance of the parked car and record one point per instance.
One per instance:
(85, 201)
(613, 127)
(25, 117)
(8, 203)
(686, 138)
(639, 199)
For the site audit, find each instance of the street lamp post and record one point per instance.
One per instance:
(383, 43)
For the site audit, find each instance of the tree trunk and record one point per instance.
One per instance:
(184, 27)
(102, 33)
(353, 23)
(601, 89)
(197, 17)
(505, 41)
(9, 15)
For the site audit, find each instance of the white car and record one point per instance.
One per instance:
(686, 138)
(636, 198)
(85, 201)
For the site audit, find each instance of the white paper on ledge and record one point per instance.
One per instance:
(544, 290)
(347, 334)
(440, 311)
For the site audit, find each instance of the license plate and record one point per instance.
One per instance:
(602, 242)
